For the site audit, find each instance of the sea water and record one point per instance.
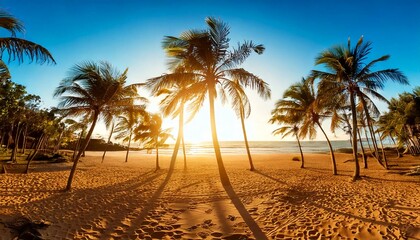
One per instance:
(260, 147)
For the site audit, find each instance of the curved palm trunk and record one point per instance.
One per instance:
(383, 153)
(128, 148)
(375, 146)
(57, 146)
(333, 163)
(157, 154)
(178, 140)
(370, 127)
(302, 165)
(184, 152)
(109, 140)
(222, 171)
(15, 147)
(367, 139)
(396, 147)
(82, 149)
(38, 146)
(77, 147)
(251, 164)
(181, 132)
(25, 133)
(365, 164)
(356, 174)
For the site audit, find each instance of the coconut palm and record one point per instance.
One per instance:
(290, 126)
(96, 90)
(387, 128)
(113, 125)
(17, 48)
(242, 107)
(175, 99)
(126, 124)
(348, 74)
(151, 133)
(302, 100)
(206, 57)
(405, 114)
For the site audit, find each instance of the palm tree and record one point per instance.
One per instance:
(127, 122)
(151, 133)
(96, 90)
(387, 128)
(242, 107)
(206, 57)
(302, 100)
(290, 126)
(17, 48)
(113, 125)
(175, 99)
(348, 74)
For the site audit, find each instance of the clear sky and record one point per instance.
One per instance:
(128, 33)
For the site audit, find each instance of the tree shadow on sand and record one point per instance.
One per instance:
(253, 226)
(268, 176)
(107, 203)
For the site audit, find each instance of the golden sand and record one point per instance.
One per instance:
(117, 200)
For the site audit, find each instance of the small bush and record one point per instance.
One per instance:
(297, 159)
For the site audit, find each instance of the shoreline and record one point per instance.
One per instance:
(130, 200)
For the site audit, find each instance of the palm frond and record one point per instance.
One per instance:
(17, 49)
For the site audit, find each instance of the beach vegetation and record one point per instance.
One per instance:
(93, 91)
(206, 57)
(151, 133)
(348, 74)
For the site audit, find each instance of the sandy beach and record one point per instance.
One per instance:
(117, 200)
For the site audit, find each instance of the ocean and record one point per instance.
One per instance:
(260, 147)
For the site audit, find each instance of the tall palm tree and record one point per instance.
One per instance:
(151, 133)
(17, 48)
(113, 125)
(127, 123)
(96, 90)
(302, 100)
(290, 126)
(175, 99)
(242, 108)
(348, 74)
(206, 57)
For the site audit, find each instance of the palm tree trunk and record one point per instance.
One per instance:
(181, 131)
(356, 174)
(128, 148)
(370, 127)
(222, 171)
(79, 154)
(37, 147)
(15, 148)
(396, 147)
(157, 153)
(77, 146)
(184, 152)
(178, 140)
(109, 141)
(363, 150)
(57, 146)
(334, 165)
(251, 165)
(367, 139)
(383, 153)
(302, 165)
(25, 133)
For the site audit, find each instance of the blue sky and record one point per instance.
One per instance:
(129, 34)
